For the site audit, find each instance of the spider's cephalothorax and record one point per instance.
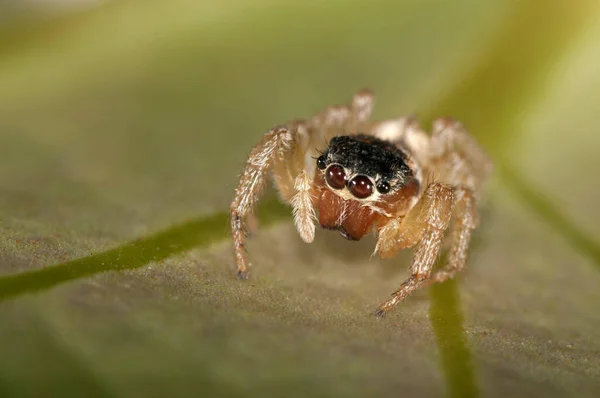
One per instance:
(357, 176)
(361, 180)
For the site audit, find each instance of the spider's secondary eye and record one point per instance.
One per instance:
(383, 187)
(361, 187)
(336, 177)
(322, 162)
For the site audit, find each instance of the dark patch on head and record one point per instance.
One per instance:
(370, 156)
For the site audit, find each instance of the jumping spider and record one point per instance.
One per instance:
(357, 176)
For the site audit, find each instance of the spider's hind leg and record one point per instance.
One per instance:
(457, 157)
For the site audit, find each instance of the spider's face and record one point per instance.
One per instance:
(364, 168)
(364, 177)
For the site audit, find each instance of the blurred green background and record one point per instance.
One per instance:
(124, 125)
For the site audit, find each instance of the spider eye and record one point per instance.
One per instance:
(361, 187)
(336, 177)
(322, 162)
(383, 187)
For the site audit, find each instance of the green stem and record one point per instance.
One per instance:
(447, 322)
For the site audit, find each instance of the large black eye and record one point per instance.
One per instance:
(322, 162)
(336, 177)
(361, 187)
(383, 187)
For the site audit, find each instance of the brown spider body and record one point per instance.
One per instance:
(356, 176)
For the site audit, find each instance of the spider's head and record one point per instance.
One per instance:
(363, 178)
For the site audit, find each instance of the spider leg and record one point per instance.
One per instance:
(361, 108)
(345, 119)
(434, 216)
(405, 132)
(457, 157)
(466, 220)
(460, 161)
(269, 150)
(315, 133)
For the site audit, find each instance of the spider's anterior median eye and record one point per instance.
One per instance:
(361, 187)
(322, 162)
(383, 187)
(336, 177)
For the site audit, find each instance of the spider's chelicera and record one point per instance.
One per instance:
(356, 177)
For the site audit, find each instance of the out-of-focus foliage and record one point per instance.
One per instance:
(122, 131)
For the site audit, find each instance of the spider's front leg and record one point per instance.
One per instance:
(271, 149)
(424, 227)
(459, 160)
(466, 220)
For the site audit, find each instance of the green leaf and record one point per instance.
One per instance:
(122, 131)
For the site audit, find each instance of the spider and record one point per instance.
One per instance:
(356, 176)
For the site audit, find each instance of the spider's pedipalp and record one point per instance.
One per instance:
(304, 213)
(405, 232)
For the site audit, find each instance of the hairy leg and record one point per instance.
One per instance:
(312, 135)
(361, 108)
(458, 160)
(434, 216)
(350, 118)
(407, 134)
(289, 151)
(457, 157)
(466, 220)
(270, 149)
